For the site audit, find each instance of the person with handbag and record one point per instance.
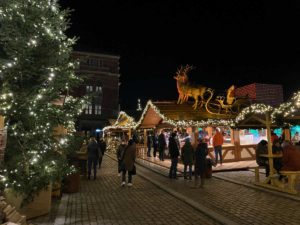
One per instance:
(128, 163)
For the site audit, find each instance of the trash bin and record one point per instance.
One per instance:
(208, 171)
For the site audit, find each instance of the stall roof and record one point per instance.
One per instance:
(171, 113)
(123, 122)
(289, 112)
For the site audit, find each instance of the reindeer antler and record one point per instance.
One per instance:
(188, 68)
(184, 70)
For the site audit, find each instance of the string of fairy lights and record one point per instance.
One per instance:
(289, 108)
(286, 109)
(57, 77)
(129, 122)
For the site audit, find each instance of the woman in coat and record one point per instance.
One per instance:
(200, 162)
(187, 157)
(128, 162)
(120, 155)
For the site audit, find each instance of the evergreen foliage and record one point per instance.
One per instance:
(36, 71)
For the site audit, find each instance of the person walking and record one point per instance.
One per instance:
(218, 140)
(120, 155)
(174, 153)
(187, 158)
(161, 145)
(93, 156)
(128, 163)
(102, 146)
(200, 162)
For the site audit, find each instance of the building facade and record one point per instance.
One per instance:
(270, 94)
(101, 80)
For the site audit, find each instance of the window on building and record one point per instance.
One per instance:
(89, 88)
(98, 89)
(89, 109)
(98, 109)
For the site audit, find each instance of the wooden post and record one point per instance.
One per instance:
(1, 122)
(2, 138)
(287, 134)
(237, 144)
(270, 152)
(232, 141)
(145, 138)
(195, 136)
(129, 133)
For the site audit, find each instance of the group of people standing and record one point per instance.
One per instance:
(190, 157)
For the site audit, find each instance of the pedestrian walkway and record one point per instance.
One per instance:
(238, 201)
(104, 201)
(160, 200)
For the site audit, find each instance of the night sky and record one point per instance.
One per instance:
(229, 42)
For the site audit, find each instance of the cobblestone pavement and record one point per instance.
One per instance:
(104, 201)
(242, 204)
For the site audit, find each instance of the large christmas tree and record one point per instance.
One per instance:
(36, 70)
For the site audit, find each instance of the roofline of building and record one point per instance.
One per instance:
(99, 54)
(85, 71)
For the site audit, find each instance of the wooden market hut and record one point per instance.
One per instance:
(168, 114)
(122, 126)
(286, 115)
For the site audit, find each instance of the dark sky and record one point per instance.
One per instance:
(229, 42)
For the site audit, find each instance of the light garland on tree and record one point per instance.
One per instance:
(35, 69)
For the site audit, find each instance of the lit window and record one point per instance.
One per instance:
(89, 88)
(98, 109)
(98, 89)
(89, 109)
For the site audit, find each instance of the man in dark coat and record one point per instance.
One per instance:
(149, 144)
(200, 162)
(102, 146)
(93, 156)
(161, 145)
(155, 144)
(174, 153)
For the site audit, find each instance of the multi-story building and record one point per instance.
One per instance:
(101, 79)
(271, 94)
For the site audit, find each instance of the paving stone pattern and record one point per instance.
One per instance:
(104, 201)
(241, 204)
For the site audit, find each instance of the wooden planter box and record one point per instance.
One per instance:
(41, 204)
(72, 184)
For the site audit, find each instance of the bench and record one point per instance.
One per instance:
(256, 170)
(292, 176)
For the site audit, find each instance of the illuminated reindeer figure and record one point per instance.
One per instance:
(185, 89)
